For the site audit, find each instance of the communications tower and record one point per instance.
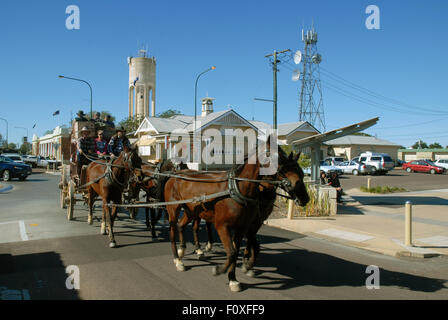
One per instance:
(310, 99)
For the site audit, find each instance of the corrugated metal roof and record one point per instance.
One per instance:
(362, 140)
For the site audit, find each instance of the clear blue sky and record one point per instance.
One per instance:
(404, 60)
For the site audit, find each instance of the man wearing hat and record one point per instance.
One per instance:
(117, 142)
(85, 146)
(97, 117)
(81, 116)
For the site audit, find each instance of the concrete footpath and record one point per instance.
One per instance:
(377, 223)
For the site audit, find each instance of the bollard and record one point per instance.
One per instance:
(408, 224)
(290, 209)
(369, 183)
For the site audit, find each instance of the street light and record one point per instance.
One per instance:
(91, 112)
(6, 131)
(195, 106)
(196, 92)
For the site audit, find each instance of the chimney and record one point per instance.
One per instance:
(207, 106)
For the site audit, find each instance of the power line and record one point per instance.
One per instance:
(367, 101)
(341, 80)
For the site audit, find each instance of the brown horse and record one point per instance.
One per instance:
(108, 180)
(232, 214)
(153, 185)
(267, 199)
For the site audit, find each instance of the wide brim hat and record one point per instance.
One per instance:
(85, 129)
(80, 113)
(120, 128)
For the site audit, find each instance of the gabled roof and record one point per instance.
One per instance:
(160, 125)
(361, 140)
(285, 129)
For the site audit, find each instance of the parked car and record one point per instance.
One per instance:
(332, 161)
(355, 168)
(422, 166)
(10, 169)
(442, 163)
(381, 162)
(14, 157)
(31, 160)
(325, 168)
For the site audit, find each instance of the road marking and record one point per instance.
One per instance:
(439, 241)
(350, 236)
(23, 231)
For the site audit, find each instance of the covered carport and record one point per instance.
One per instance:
(315, 142)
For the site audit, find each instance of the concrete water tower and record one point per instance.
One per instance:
(142, 80)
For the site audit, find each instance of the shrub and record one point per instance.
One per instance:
(382, 189)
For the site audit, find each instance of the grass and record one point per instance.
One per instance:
(315, 207)
(382, 189)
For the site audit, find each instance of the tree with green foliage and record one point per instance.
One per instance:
(12, 146)
(25, 148)
(131, 124)
(420, 145)
(169, 113)
(435, 145)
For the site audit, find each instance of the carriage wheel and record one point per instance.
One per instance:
(71, 200)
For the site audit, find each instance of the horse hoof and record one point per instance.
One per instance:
(244, 268)
(181, 253)
(179, 265)
(208, 247)
(215, 271)
(113, 244)
(90, 221)
(235, 286)
(250, 273)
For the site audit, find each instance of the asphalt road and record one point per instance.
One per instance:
(398, 178)
(37, 243)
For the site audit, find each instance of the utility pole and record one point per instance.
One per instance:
(274, 69)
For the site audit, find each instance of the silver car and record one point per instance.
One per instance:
(355, 168)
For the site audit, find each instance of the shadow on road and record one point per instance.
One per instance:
(299, 267)
(34, 276)
(388, 201)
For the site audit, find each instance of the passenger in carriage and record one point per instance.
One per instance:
(86, 147)
(101, 145)
(117, 143)
(97, 117)
(81, 116)
(107, 120)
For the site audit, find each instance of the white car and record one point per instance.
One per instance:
(442, 163)
(14, 157)
(355, 168)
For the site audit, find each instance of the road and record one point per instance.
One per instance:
(37, 243)
(398, 178)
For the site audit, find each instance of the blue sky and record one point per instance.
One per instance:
(405, 60)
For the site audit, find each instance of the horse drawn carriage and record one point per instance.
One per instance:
(70, 191)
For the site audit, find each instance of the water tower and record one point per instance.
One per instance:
(142, 82)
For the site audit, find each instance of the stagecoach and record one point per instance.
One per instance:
(69, 192)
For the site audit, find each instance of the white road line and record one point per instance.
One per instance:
(23, 230)
(350, 236)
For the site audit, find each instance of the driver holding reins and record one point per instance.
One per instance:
(85, 147)
(117, 143)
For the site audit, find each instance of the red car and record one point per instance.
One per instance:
(422, 166)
